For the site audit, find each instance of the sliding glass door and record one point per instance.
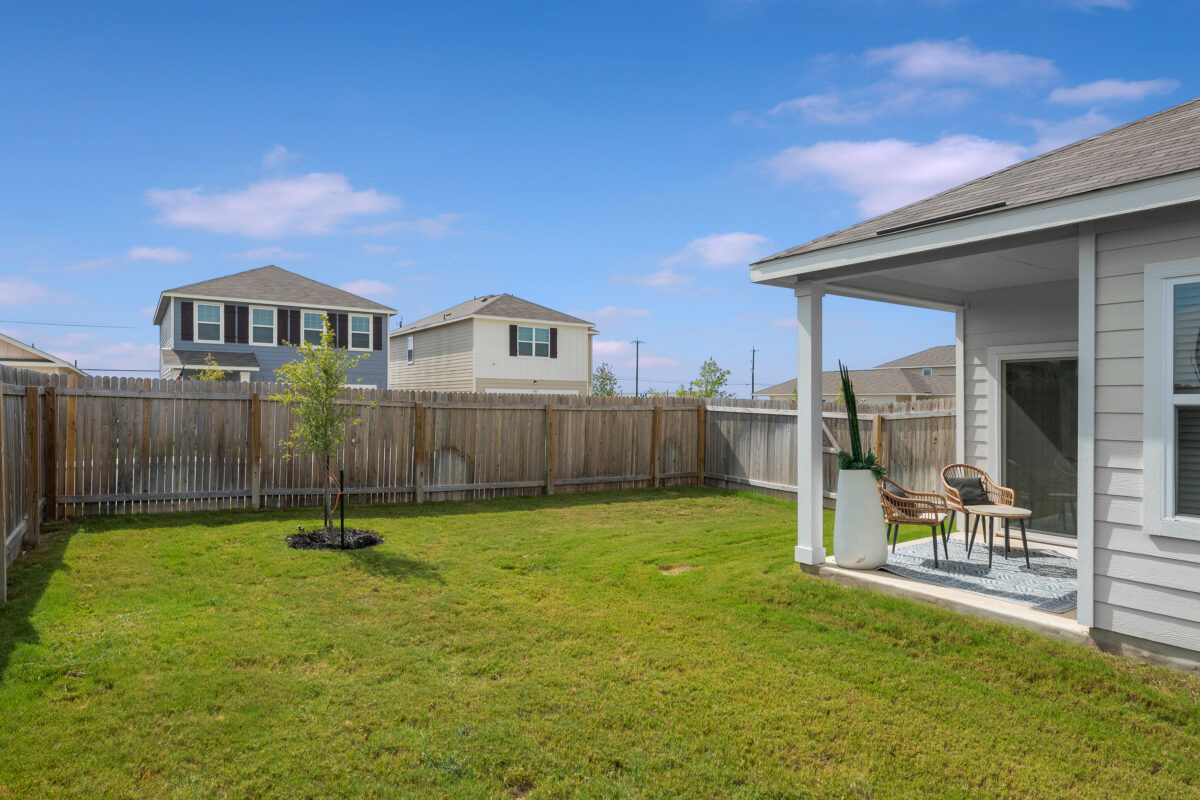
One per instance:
(1039, 431)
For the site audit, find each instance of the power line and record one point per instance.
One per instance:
(67, 324)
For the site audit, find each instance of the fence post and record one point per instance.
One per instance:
(655, 445)
(69, 445)
(877, 437)
(255, 451)
(3, 507)
(419, 452)
(549, 448)
(701, 441)
(50, 449)
(32, 475)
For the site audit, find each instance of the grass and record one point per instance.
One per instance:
(639, 644)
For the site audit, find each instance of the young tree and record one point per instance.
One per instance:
(711, 383)
(314, 382)
(604, 382)
(210, 372)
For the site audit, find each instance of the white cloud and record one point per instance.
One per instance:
(959, 61)
(438, 227)
(267, 253)
(277, 157)
(722, 250)
(612, 314)
(167, 255)
(823, 108)
(309, 204)
(17, 290)
(862, 105)
(1112, 90)
(1052, 135)
(663, 279)
(890, 173)
(98, 351)
(366, 287)
(378, 249)
(622, 354)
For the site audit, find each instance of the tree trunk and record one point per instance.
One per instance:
(325, 499)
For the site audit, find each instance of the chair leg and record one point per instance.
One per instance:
(945, 544)
(1006, 538)
(933, 530)
(974, 530)
(991, 537)
(953, 516)
(1025, 544)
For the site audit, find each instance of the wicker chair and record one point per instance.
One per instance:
(997, 495)
(904, 507)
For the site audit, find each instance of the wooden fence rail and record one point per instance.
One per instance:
(95, 445)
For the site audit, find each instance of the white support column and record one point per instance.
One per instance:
(810, 547)
(1085, 501)
(960, 385)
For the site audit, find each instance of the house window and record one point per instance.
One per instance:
(262, 326)
(314, 326)
(533, 342)
(410, 349)
(927, 371)
(360, 333)
(208, 322)
(1184, 411)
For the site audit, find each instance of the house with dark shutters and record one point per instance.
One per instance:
(251, 322)
(497, 343)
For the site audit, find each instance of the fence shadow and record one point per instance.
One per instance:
(25, 588)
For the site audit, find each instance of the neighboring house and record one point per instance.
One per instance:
(926, 375)
(251, 321)
(25, 356)
(496, 343)
(1074, 278)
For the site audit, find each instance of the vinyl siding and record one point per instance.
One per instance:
(371, 371)
(1023, 315)
(166, 338)
(1145, 586)
(441, 359)
(492, 360)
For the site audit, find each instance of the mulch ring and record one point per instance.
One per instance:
(326, 539)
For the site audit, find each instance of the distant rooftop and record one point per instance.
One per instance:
(493, 305)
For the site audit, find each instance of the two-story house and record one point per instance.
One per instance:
(497, 343)
(250, 322)
(925, 375)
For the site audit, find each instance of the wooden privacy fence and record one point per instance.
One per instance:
(92, 445)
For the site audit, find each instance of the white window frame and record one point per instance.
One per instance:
(305, 329)
(196, 323)
(350, 331)
(1158, 418)
(533, 341)
(274, 326)
(411, 349)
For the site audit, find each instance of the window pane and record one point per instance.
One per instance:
(1187, 461)
(360, 324)
(541, 334)
(362, 341)
(208, 313)
(208, 332)
(264, 316)
(542, 349)
(1187, 338)
(312, 337)
(263, 335)
(524, 334)
(524, 348)
(313, 321)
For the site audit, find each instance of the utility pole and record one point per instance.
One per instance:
(637, 361)
(753, 350)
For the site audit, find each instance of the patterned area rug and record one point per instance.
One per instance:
(1050, 584)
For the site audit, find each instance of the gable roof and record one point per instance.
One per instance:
(35, 357)
(272, 284)
(940, 356)
(874, 381)
(492, 305)
(1161, 144)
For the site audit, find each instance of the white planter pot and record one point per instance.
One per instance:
(859, 540)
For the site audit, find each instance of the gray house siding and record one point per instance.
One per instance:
(1145, 586)
(371, 371)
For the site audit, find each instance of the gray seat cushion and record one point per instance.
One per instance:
(970, 490)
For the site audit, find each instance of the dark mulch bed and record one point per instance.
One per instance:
(332, 539)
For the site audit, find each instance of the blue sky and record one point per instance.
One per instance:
(619, 161)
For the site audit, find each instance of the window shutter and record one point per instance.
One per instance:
(340, 324)
(378, 333)
(187, 318)
(281, 326)
(554, 342)
(243, 324)
(294, 327)
(230, 324)
(512, 340)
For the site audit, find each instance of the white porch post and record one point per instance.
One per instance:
(810, 547)
(1085, 502)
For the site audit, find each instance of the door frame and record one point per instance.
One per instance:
(996, 356)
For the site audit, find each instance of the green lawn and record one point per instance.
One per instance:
(653, 644)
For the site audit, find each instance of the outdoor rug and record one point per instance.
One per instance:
(1050, 584)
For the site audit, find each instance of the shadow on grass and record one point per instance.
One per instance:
(398, 566)
(28, 578)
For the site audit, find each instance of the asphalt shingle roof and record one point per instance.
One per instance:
(493, 305)
(196, 358)
(1161, 144)
(940, 356)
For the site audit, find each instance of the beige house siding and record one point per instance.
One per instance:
(1024, 315)
(492, 360)
(1145, 586)
(441, 359)
(518, 385)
